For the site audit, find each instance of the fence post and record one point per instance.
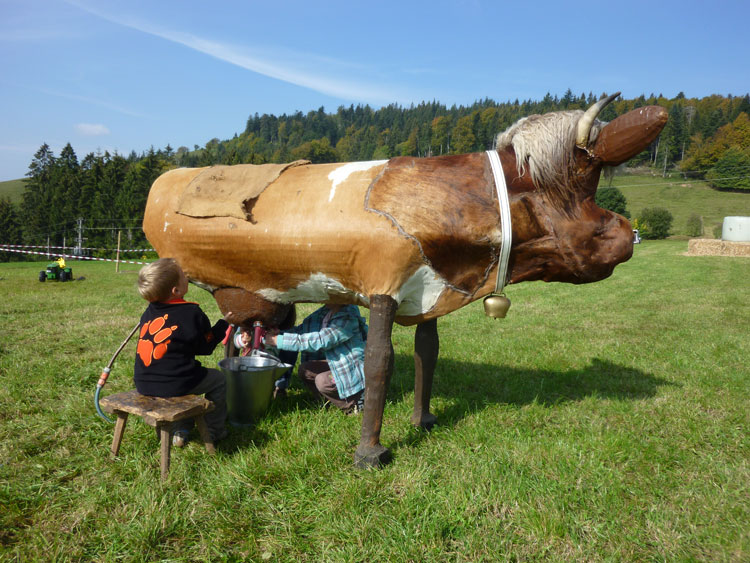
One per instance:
(117, 260)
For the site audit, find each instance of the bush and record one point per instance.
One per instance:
(655, 222)
(612, 199)
(718, 230)
(694, 225)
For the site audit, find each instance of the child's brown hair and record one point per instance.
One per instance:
(156, 280)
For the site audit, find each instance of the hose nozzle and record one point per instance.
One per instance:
(103, 377)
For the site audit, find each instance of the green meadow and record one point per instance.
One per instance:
(604, 422)
(13, 190)
(682, 198)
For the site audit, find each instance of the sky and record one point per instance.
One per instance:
(127, 76)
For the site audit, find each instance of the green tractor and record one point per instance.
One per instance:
(56, 271)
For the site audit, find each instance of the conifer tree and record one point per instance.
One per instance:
(104, 214)
(37, 199)
(91, 172)
(66, 189)
(10, 229)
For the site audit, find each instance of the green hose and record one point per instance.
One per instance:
(105, 374)
(98, 408)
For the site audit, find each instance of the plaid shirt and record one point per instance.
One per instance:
(341, 343)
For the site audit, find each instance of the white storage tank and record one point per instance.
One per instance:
(736, 229)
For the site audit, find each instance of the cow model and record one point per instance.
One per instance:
(412, 239)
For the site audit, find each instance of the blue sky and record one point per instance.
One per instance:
(123, 76)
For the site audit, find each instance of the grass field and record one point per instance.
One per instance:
(682, 198)
(606, 422)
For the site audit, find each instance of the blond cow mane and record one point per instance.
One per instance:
(544, 144)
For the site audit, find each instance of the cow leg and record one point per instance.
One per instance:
(378, 370)
(426, 347)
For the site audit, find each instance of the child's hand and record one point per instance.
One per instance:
(270, 337)
(229, 317)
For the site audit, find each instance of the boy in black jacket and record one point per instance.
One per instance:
(173, 331)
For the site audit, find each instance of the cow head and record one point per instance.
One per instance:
(553, 163)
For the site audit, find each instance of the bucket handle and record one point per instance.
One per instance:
(263, 354)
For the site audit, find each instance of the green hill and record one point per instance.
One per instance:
(12, 189)
(682, 198)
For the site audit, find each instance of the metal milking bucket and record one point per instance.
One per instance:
(250, 382)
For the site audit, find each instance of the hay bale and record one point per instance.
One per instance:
(717, 247)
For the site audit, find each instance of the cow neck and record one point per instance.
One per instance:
(505, 221)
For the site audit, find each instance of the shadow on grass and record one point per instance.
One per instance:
(472, 386)
(482, 384)
(250, 436)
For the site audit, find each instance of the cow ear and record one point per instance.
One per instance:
(629, 134)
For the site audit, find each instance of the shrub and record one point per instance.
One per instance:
(612, 199)
(718, 230)
(694, 225)
(655, 222)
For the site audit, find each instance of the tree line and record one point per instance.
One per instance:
(707, 138)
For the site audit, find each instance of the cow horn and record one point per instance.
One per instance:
(585, 123)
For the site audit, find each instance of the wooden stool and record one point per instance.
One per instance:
(161, 413)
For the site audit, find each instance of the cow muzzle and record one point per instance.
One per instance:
(614, 245)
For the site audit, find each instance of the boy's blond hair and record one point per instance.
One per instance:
(156, 280)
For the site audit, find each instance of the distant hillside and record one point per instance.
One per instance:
(12, 189)
(682, 198)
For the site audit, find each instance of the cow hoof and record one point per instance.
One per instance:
(372, 457)
(426, 421)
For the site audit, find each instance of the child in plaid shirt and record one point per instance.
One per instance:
(332, 342)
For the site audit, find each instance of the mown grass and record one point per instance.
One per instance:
(598, 422)
(682, 198)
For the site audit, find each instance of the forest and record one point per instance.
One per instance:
(706, 138)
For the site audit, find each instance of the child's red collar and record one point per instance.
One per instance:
(178, 301)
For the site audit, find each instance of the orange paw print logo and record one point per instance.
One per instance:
(155, 347)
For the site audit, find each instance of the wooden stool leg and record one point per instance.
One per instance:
(122, 419)
(200, 422)
(166, 446)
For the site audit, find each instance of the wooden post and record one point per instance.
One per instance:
(117, 260)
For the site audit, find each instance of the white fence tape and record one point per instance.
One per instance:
(74, 248)
(69, 256)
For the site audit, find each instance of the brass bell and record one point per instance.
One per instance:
(496, 306)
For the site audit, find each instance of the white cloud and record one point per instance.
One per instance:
(92, 129)
(302, 69)
(93, 101)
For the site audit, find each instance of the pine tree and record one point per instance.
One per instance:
(37, 198)
(10, 229)
(104, 214)
(732, 170)
(66, 190)
(91, 171)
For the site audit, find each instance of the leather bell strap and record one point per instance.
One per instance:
(505, 222)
